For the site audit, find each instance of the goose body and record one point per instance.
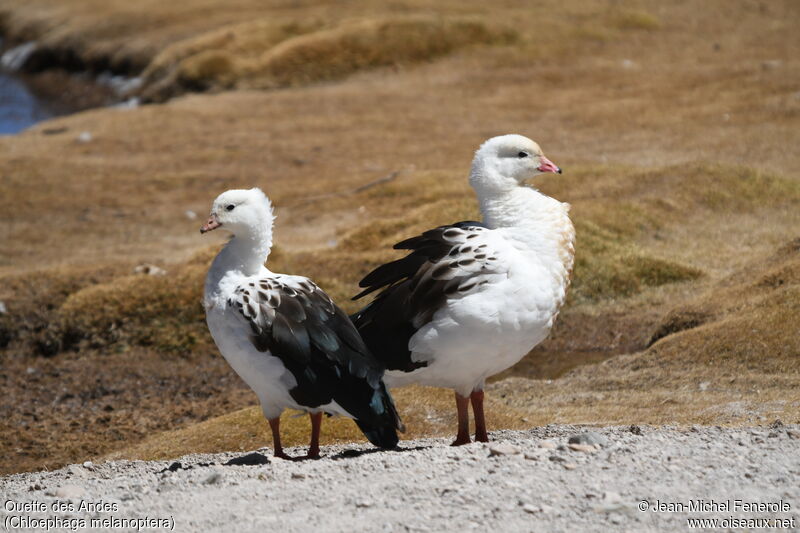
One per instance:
(472, 298)
(292, 345)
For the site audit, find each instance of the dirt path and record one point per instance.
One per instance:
(523, 481)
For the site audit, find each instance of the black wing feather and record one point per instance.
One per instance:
(412, 289)
(316, 341)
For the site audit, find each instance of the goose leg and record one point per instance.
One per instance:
(462, 405)
(480, 420)
(313, 447)
(275, 426)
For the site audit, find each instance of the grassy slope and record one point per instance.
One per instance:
(676, 173)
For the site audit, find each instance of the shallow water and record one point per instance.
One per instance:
(19, 108)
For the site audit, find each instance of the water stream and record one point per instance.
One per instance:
(19, 107)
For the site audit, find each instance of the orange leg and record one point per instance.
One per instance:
(480, 420)
(313, 447)
(275, 426)
(462, 405)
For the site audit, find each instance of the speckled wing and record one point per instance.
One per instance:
(445, 263)
(291, 318)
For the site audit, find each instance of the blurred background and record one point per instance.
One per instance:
(677, 124)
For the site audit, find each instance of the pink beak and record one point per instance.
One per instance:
(211, 224)
(548, 166)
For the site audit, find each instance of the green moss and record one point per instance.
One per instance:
(164, 312)
(609, 265)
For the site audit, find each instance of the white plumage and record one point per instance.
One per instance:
(284, 336)
(473, 298)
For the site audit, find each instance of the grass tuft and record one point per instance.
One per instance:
(265, 54)
(635, 20)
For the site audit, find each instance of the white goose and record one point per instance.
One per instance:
(471, 298)
(284, 336)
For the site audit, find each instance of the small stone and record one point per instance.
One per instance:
(364, 503)
(547, 444)
(30, 370)
(191, 215)
(298, 475)
(150, 270)
(533, 456)
(570, 466)
(174, 467)
(636, 430)
(704, 385)
(3, 308)
(585, 448)
(212, 478)
(69, 492)
(88, 464)
(590, 437)
(503, 448)
(85, 137)
(557, 458)
(532, 509)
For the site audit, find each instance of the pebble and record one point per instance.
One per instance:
(85, 137)
(298, 475)
(590, 437)
(503, 448)
(3, 308)
(570, 466)
(585, 448)
(532, 509)
(150, 270)
(68, 492)
(547, 444)
(212, 478)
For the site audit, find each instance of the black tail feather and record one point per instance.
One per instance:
(383, 422)
(384, 436)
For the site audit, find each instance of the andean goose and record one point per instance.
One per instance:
(471, 298)
(284, 336)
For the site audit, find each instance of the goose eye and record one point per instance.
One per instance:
(522, 154)
(230, 207)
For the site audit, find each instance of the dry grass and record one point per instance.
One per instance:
(265, 55)
(613, 216)
(732, 362)
(426, 412)
(675, 128)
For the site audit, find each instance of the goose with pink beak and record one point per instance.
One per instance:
(470, 299)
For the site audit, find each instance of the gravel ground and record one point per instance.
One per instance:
(532, 480)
